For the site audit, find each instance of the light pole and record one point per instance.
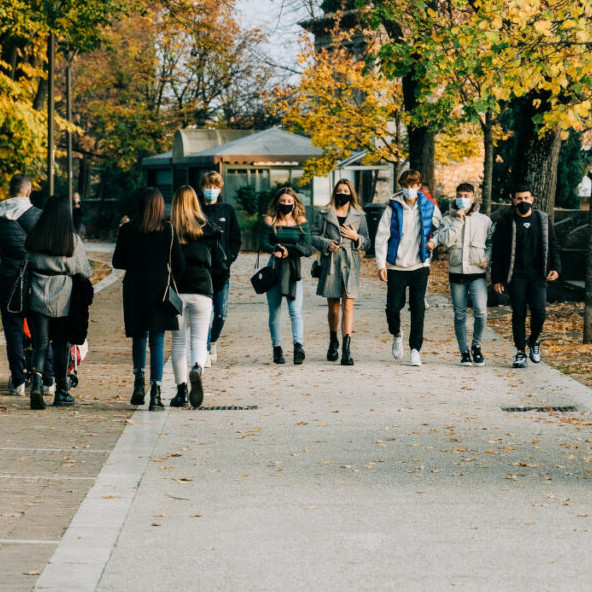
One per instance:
(51, 114)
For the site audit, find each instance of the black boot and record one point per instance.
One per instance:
(155, 402)
(333, 351)
(62, 398)
(180, 399)
(298, 354)
(278, 355)
(139, 389)
(346, 359)
(37, 401)
(196, 394)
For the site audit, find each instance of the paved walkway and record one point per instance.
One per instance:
(376, 477)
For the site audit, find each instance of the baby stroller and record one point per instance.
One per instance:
(77, 356)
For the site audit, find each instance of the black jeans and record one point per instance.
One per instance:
(533, 293)
(13, 333)
(43, 330)
(397, 282)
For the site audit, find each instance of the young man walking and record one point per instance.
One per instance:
(17, 217)
(403, 247)
(525, 257)
(466, 233)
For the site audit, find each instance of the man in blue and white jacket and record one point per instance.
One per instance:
(403, 248)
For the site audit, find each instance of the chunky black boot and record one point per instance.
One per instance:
(180, 399)
(298, 354)
(139, 389)
(196, 394)
(155, 402)
(346, 359)
(62, 398)
(37, 401)
(278, 355)
(333, 351)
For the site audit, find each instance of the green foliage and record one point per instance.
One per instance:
(571, 169)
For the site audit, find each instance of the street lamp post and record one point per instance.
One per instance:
(51, 114)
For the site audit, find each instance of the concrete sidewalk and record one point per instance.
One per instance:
(375, 477)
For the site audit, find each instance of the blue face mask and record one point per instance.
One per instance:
(211, 193)
(410, 193)
(463, 203)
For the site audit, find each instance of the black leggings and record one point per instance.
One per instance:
(43, 330)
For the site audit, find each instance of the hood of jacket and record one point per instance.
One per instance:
(14, 208)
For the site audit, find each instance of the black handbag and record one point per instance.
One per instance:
(315, 270)
(19, 293)
(264, 278)
(171, 299)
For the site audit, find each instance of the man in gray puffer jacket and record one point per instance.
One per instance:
(17, 217)
(467, 235)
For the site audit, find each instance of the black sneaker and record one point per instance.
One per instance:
(465, 359)
(298, 354)
(520, 359)
(196, 394)
(478, 358)
(534, 351)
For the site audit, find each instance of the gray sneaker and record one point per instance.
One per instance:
(520, 359)
(534, 352)
(196, 394)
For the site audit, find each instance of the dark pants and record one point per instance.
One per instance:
(533, 293)
(397, 282)
(13, 333)
(43, 330)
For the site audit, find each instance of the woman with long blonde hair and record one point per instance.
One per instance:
(286, 235)
(340, 232)
(197, 238)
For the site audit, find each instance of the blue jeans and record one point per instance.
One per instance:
(274, 303)
(156, 342)
(477, 289)
(219, 313)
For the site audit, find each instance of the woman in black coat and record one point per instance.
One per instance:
(144, 247)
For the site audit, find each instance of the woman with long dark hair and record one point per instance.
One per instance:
(56, 254)
(198, 241)
(340, 232)
(286, 235)
(144, 247)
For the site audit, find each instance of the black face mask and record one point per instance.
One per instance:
(342, 198)
(286, 208)
(523, 207)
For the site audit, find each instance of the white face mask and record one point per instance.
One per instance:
(410, 193)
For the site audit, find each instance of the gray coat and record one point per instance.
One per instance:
(51, 280)
(340, 271)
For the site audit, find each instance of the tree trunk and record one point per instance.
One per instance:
(588, 293)
(536, 157)
(421, 139)
(487, 163)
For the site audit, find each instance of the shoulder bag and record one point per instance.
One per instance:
(19, 293)
(171, 299)
(264, 278)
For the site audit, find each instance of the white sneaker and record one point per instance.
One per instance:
(213, 353)
(414, 358)
(18, 391)
(49, 389)
(398, 349)
(208, 361)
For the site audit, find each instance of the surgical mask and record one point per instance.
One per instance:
(523, 207)
(342, 198)
(463, 203)
(286, 208)
(211, 193)
(410, 193)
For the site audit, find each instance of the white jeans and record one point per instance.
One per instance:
(197, 312)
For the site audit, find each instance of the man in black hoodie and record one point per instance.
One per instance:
(525, 256)
(17, 217)
(222, 216)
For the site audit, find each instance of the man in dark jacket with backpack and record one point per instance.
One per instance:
(17, 217)
(524, 258)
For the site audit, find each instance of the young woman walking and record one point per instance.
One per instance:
(286, 235)
(340, 232)
(198, 241)
(144, 247)
(56, 254)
